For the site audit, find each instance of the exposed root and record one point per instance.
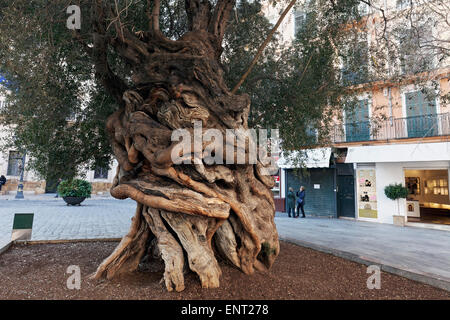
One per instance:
(192, 233)
(127, 255)
(171, 251)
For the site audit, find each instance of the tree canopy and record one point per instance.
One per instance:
(58, 107)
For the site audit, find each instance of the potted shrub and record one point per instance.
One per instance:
(74, 191)
(396, 192)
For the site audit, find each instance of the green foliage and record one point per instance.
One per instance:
(75, 188)
(395, 191)
(57, 109)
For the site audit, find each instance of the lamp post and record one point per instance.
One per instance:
(19, 194)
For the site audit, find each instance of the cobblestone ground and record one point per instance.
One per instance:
(421, 251)
(54, 220)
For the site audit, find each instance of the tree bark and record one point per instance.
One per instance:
(194, 211)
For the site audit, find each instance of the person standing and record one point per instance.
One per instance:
(291, 202)
(301, 202)
(2, 181)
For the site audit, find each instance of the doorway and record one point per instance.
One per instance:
(346, 196)
(428, 196)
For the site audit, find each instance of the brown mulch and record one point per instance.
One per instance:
(39, 272)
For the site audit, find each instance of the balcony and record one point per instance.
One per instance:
(432, 125)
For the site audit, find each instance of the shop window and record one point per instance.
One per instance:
(437, 187)
(277, 188)
(413, 185)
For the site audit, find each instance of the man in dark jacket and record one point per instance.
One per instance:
(291, 202)
(301, 201)
(2, 181)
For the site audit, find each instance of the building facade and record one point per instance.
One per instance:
(11, 162)
(398, 133)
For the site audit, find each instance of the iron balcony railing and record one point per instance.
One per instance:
(431, 125)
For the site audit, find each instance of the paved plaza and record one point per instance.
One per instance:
(422, 252)
(407, 251)
(54, 220)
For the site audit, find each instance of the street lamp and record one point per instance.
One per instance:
(19, 194)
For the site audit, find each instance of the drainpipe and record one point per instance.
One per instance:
(391, 120)
(391, 113)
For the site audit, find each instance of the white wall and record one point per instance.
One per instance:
(389, 173)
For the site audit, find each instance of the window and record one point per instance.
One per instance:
(357, 125)
(355, 65)
(101, 173)
(311, 134)
(300, 20)
(414, 55)
(421, 118)
(14, 163)
(403, 4)
(363, 9)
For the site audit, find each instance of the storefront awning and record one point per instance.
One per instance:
(413, 152)
(310, 158)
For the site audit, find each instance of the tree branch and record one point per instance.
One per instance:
(198, 14)
(110, 81)
(263, 46)
(219, 21)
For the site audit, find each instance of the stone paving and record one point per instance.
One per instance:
(420, 251)
(54, 220)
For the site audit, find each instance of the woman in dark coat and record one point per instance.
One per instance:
(301, 201)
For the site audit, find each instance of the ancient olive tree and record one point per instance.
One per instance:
(159, 69)
(185, 212)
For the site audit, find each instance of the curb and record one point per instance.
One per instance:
(432, 280)
(33, 242)
(5, 248)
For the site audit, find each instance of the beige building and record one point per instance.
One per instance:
(11, 164)
(399, 131)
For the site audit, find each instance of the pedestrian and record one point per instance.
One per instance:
(2, 181)
(301, 202)
(291, 202)
(57, 184)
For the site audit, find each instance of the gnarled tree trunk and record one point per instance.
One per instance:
(193, 212)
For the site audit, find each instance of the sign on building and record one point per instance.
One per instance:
(367, 193)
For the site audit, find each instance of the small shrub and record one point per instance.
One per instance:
(395, 191)
(75, 188)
